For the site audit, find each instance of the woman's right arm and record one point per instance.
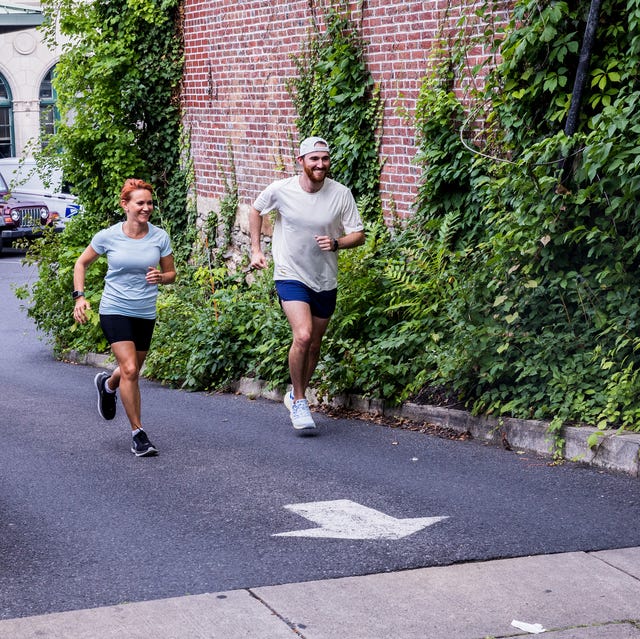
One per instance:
(79, 272)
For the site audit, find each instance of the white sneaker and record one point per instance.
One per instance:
(288, 400)
(301, 415)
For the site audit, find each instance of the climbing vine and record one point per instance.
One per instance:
(549, 324)
(335, 97)
(118, 86)
(219, 224)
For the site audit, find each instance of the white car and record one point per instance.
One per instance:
(25, 183)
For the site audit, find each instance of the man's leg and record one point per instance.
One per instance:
(305, 347)
(299, 316)
(318, 329)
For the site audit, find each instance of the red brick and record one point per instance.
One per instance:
(237, 62)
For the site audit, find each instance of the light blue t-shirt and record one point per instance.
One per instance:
(126, 291)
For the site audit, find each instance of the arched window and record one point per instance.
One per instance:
(6, 120)
(48, 112)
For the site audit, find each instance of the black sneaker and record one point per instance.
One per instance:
(141, 446)
(106, 401)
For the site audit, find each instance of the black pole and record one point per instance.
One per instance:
(582, 73)
(583, 68)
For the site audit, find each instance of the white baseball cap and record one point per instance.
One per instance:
(313, 144)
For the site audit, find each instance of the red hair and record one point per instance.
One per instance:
(131, 185)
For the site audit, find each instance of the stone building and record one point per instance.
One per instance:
(27, 98)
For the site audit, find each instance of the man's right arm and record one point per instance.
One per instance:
(258, 260)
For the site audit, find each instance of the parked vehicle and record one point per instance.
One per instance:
(23, 217)
(26, 183)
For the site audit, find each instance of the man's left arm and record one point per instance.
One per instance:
(350, 240)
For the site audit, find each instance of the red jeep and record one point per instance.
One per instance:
(21, 218)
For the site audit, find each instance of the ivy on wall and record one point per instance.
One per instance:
(547, 325)
(118, 86)
(336, 98)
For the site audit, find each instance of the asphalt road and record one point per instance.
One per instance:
(84, 523)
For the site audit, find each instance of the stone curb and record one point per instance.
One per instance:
(617, 451)
(91, 359)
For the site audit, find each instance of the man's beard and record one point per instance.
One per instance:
(317, 175)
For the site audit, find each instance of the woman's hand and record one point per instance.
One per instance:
(80, 310)
(154, 276)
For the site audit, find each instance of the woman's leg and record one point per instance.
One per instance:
(126, 377)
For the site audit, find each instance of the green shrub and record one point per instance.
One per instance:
(549, 326)
(207, 340)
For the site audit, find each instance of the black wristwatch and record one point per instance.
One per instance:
(334, 245)
(77, 294)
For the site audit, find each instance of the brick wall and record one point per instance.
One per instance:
(238, 58)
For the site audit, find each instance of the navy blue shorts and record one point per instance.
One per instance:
(120, 328)
(322, 304)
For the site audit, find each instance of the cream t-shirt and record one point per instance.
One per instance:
(300, 216)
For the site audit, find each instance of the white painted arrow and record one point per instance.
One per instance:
(345, 519)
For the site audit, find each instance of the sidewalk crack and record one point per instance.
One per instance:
(292, 626)
(616, 567)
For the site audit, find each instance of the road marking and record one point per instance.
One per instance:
(346, 519)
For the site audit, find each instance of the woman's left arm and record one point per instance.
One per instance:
(166, 274)
(168, 269)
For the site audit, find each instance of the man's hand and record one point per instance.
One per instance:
(258, 260)
(325, 242)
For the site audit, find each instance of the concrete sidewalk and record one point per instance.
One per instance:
(571, 596)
